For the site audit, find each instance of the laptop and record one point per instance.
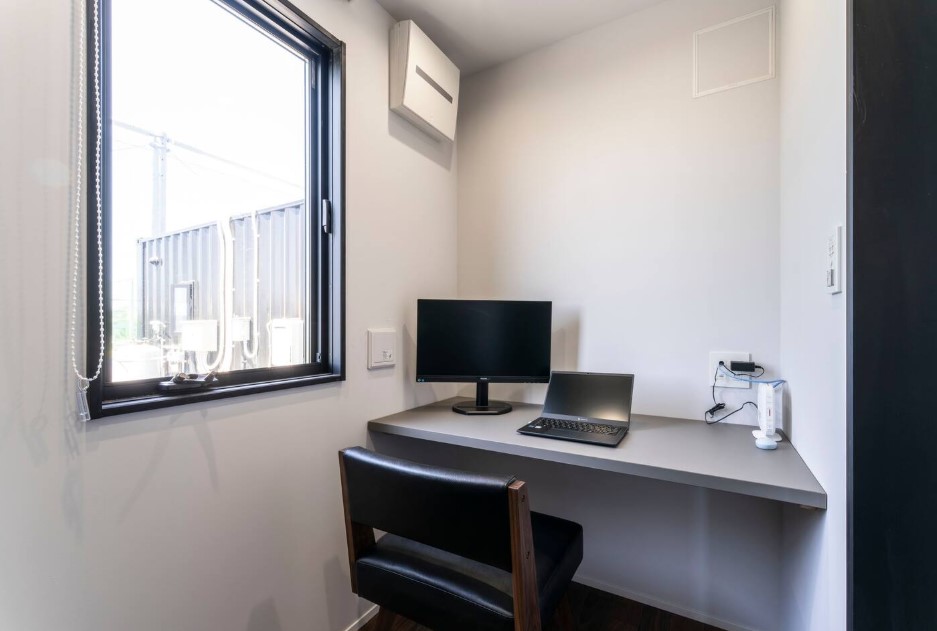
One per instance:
(586, 407)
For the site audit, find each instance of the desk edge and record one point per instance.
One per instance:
(802, 497)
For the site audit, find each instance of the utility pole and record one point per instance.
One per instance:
(160, 146)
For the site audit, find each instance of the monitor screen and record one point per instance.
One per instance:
(483, 340)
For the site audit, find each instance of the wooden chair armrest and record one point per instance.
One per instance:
(523, 561)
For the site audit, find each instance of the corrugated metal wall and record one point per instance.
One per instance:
(193, 255)
(269, 252)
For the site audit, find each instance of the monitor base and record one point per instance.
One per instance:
(481, 404)
(493, 407)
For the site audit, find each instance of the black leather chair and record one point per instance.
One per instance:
(462, 550)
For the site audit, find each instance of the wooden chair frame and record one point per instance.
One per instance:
(523, 561)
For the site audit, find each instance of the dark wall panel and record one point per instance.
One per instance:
(894, 294)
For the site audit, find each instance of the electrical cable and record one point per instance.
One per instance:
(734, 375)
(735, 411)
(715, 375)
(710, 415)
(255, 333)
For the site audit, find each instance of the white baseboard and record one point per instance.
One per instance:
(363, 619)
(661, 604)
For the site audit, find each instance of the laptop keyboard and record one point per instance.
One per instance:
(576, 426)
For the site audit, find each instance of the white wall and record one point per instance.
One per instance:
(590, 177)
(814, 135)
(218, 516)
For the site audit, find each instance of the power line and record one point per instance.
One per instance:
(196, 150)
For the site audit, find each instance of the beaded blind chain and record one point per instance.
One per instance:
(84, 382)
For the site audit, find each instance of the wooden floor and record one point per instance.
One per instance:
(594, 610)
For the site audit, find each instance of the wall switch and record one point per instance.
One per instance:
(834, 267)
(722, 380)
(382, 348)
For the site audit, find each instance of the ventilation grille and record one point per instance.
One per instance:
(734, 53)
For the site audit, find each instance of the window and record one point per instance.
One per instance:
(222, 195)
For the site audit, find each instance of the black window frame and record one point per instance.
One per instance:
(327, 278)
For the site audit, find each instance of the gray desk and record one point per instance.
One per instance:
(721, 457)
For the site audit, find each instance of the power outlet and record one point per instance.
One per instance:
(722, 380)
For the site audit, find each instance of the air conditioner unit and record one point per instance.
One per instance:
(286, 342)
(424, 84)
(200, 336)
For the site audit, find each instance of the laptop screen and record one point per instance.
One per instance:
(590, 394)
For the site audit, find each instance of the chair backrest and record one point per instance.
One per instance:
(463, 513)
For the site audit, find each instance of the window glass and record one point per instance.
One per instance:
(211, 261)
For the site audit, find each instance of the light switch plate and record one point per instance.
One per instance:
(382, 348)
(834, 266)
(722, 380)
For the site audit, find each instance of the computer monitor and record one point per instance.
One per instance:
(482, 342)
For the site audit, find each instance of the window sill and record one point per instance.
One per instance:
(141, 404)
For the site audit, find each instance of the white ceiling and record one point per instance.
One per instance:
(477, 34)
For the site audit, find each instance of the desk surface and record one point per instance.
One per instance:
(721, 457)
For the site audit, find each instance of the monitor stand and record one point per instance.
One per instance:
(482, 405)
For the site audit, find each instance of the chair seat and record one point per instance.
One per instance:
(446, 592)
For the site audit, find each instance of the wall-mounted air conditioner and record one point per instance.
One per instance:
(424, 84)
